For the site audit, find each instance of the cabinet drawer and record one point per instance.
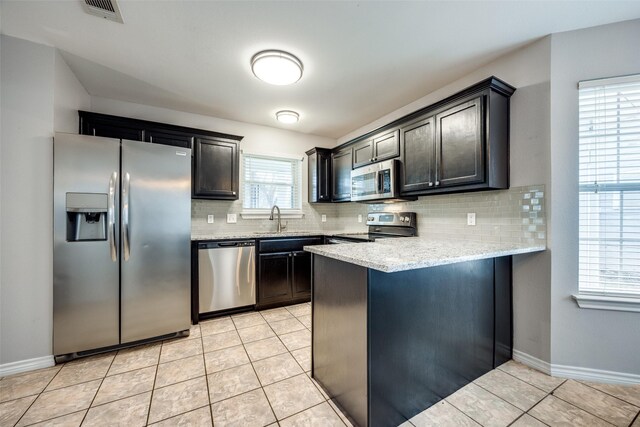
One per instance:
(287, 245)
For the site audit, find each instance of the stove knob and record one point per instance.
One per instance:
(369, 218)
(401, 219)
(407, 219)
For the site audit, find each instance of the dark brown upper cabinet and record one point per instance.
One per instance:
(216, 169)
(110, 126)
(417, 141)
(167, 137)
(215, 155)
(458, 144)
(460, 148)
(380, 147)
(341, 161)
(319, 175)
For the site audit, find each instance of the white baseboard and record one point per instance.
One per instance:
(576, 372)
(26, 365)
(532, 362)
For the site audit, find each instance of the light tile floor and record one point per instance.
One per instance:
(253, 370)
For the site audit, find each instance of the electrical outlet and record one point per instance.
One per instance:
(324, 218)
(210, 219)
(471, 218)
(359, 217)
(232, 218)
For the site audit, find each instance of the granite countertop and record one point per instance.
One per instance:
(257, 234)
(391, 255)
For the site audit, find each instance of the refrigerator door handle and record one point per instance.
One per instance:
(111, 216)
(125, 216)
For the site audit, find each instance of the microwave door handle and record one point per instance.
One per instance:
(379, 181)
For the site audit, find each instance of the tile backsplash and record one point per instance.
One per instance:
(516, 215)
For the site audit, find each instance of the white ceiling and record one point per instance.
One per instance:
(362, 59)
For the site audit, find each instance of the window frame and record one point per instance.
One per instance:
(588, 297)
(264, 213)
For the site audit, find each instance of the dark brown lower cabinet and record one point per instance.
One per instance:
(386, 346)
(284, 271)
(275, 277)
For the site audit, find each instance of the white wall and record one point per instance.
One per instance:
(27, 80)
(528, 69)
(69, 97)
(596, 339)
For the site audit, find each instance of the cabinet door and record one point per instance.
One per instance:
(215, 171)
(460, 144)
(313, 178)
(324, 173)
(418, 149)
(341, 171)
(386, 146)
(177, 139)
(363, 153)
(274, 280)
(301, 274)
(319, 176)
(111, 129)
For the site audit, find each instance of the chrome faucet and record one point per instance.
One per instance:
(280, 226)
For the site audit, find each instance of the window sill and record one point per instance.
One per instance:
(258, 214)
(606, 302)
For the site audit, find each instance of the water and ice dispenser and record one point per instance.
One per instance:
(86, 217)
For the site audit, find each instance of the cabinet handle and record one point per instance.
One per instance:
(233, 192)
(151, 139)
(375, 159)
(430, 184)
(437, 183)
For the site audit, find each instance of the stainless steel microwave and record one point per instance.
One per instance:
(376, 182)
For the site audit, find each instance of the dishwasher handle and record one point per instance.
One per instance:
(226, 244)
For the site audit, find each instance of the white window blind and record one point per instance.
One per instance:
(269, 181)
(609, 155)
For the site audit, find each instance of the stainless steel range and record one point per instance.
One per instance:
(382, 225)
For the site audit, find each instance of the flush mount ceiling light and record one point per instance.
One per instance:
(287, 116)
(276, 67)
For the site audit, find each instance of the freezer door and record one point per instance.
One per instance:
(155, 240)
(85, 241)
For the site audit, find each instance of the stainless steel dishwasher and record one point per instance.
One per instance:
(226, 275)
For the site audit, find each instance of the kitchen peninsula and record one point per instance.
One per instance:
(400, 324)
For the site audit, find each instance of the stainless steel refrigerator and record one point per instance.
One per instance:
(122, 232)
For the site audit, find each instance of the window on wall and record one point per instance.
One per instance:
(270, 180)
(609, 185)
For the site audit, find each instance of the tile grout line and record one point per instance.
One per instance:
(524, 411)
(153, 387)
(608, 394)
(98, 389)
(582, 409)
(38, 396)
(273, 412)
(206, 377)
(531, 384)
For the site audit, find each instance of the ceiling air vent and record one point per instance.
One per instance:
(107, 9)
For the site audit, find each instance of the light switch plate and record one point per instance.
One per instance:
(359, 217)
(210, 219)
(232, 218)
(471, 218)
(324, 218)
